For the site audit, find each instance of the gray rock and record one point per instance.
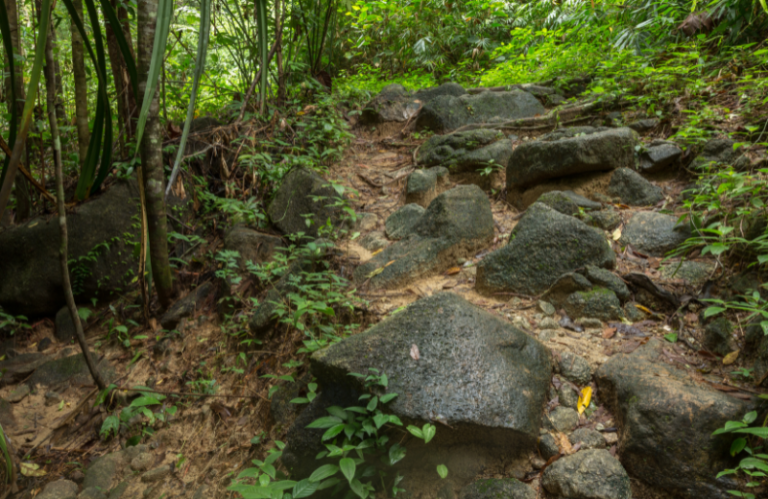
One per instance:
(425, 185)
(92, 494)
(465, 152)
(251, 245)
(103, 227)
(101, 473)
(297, 197)
(72, 369)
(718, 337)
(455, 225)
(543, 246)
(568, 397)
(567, 202)
(65, 328)
(564, 419)
(450, 333)
(602, 219)
(588, 438)
(156, 474)
(654, 233)
(497, 488)
(607, 279)
(60, 489)
(692, 272)
(599, 303)
(20, 367)
(589, 322)
(644, 125)
(18, 394)
(400, 223)
(450, 88)
(574, 368)
(547, 308)
(186, 306)
(549, 322)
(374, 241)
(632, 313)
(659, 156)
(548, 446)
(632, 189)
(570, 151)
(142, 462)
(393, 103)
(547, 335)
(716, 151)
(366, 222)
(44, 344)
(566, 285)
(656, 405)
(588, 474)
(446, 112)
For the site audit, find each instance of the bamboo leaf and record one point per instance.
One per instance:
(5, 29)
(202, 49)
(111, 17)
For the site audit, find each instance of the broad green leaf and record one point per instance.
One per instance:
(358, 489)
(429, 432)
(442, 470)
(304, 488)
(325, 422)
(323, 472)
(348, 466)
(738, 445)
(415, 431)
(333, 431)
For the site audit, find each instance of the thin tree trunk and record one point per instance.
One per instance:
(51, 90)
(124, 93)
(23, 203)
(152, 160)
(81, 85)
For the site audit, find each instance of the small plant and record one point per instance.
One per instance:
(358, 452)
(138, 407)
(755, 464)
(12, 323)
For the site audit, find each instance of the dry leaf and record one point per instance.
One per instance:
(609, 333)
(377, 251)
(31, 469)
(731, 358)
(450, 285)
(453, 270)
(415, 352)
(644, 309)
(564, 444)
(375, 272)
(616, 234)
(584, 398)
(389, 263)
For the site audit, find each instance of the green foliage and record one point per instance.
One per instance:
(130, 415)
(754, 464)
(12, 323)
(358, 454)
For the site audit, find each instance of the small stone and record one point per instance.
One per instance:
(44, 344)
(547, 334)
(564, 419)
(65, 328)
(588, 474)
(18, 394)
(538, 463)
(611, 437)
(607, 279)
(52, 398)
(60, 489)
(589, 439)
(374, 241)
(142, 462)
(77, 476)
(493, 488)
(660, 155)
(547, 308)
(633, 189)
(366, 222)
(717, 336)
(568, 397)
(548, 446)
(92, 493)
(632, 313)
(156, 474)
(644, 125)
(521, 323)
(589, 322)
(400, 223)
(574, 368)
(549, 323)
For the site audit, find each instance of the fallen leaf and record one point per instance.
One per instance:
(564, 444)
(731, 358)
(415, 352)
(31, 469)
(609, 333)
(377, 251)
(453, 270)
(450, 285)
(389, 263)
(375, 272)
(644, 309)
(616, 235)
(584, 398)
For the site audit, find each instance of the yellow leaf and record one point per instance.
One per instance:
(377, 251)
(376, 272)
(584, 398)
(644, 309)
(731, 358)
(616, 234)
(31, 469)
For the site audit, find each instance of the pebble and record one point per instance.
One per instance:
(547, 308)
(18, 394)
(520, 322)
(564, 419)
(142, 462)
(547, 334)
(590, 322)
(549, 323)
(52, 398)
(44, 344)
(611, 437)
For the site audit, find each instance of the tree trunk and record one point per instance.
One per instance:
(152, 160)
(81, 85)
(52, 91)
(23, 201)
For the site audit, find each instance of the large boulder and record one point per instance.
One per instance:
(481, 375)
(588, 474)
(399, 224)
(395, 104)
(543, 246)
(665, 422)
(567, 152)
(456, 224)
(305, 196)
(447, 112)
(102, 232)
(466, 152)
(654, 233)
